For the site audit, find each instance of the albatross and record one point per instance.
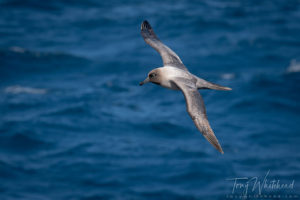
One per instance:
(174, 75)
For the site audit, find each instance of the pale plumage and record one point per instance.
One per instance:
(174, 75)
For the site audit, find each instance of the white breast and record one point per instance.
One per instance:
(169, 73)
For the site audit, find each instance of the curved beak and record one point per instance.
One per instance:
(145, 81)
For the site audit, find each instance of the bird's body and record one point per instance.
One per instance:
(174, 75)
(169, 73)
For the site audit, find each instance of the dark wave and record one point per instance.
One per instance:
(19, 61)
(22, 143)
(47, 6)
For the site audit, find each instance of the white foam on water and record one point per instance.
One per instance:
(17, 49)
(228, 76)
(294, 67)
(20, 89)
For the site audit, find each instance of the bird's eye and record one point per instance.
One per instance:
(152, 75)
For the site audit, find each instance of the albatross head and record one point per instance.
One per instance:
(153, 76)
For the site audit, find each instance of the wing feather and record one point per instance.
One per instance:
(196, 110)
(169, 57)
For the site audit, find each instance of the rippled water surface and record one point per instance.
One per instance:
(74, 123)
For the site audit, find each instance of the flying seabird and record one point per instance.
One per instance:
(174, 75)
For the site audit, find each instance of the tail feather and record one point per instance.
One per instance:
(203, 84)
(217, 87)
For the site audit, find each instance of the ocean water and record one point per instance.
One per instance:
(75, 124)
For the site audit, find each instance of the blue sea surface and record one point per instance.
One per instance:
(75, 124)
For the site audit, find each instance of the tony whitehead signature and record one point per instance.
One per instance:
(243, 185)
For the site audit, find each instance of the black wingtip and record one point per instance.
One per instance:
(146, 22)
(145, 25)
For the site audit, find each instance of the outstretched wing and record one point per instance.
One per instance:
(169, 57)
(196, 109)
